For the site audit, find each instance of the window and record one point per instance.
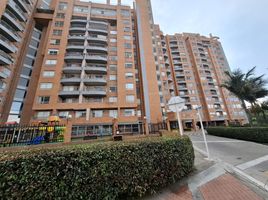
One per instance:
(43, 100)
(20, 94)
(23, 82)
(113, 32)
(113, 113)
(113, 58)
(126, 22)
(130, 98)
(126, 29)
(128, 65)
(129, 75)
(43, 114)
(57, 32)
(62, 6)
(127, 45)
(125, 13)
(113, 48)
(97, 113)
(53, 51)
(55, 41)
(113, 67)
(113, 89)
(51, 62)
(103, 11)
(129, 86)
(26, 71)
(127, 37)
(60, 15)
(113, 40)
(63, 114)
(112, 99)
(46, 85)
(48, 74)
(59, 24)
(80, 9)
(112, 77)
(128, 55)
(129, 112)
(80, 114)
(16, 107)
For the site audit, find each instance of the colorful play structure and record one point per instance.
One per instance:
(13, 134)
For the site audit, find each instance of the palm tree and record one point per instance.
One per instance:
(246, 87)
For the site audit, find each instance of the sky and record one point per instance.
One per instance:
(242, 26)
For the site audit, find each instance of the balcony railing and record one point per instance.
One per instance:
(10, 32)
(17, 10)
(5, 58)
(7, 45)
(14, 20)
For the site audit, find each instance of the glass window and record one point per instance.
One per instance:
(80, 114)
(103, 11)
(43, 100)
(55, 41)
(113, 58)
(28, 61)
(113, 89)
(23, 82)
(112, 77)
(125, 13)
(127, 37)
(127, 29)
(43, 114)
(113, 113)
(113, 40)
(32, 52)
(53, 51)
(16, 107)
(46, 85)
(62, 6)
(51, 62)
(129, 86)
(20, 94)
(26, 71)
(130, 98)
(128, 65)
(113, 67)
(63, 114)
(34, 43)
(129, 75)
(81, 9)
(57, 32)
(128, 46)
(48, 74)
(128, 55)
(59, 23)
(113, 32)
(129, 112)
(97, 113)
(112, 99)
(60, 15)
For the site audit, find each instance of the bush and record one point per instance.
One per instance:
(109, 170)
(254, 134)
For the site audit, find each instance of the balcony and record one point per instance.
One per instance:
(22, 4)
(97, 30)
(6, 45)
(12, 20)
(72, 69)
(94, 93)
(96, 69)
(73, 93)
(75, 46)
(99, 22)
(5, 59)
(18, 12)
(9, 32)
(94, 81)
(77, 29)
(70, 80)
(97, 39)
(96, 58)
(74, 56)
(98, 49)
(77, 37)
(78, 21)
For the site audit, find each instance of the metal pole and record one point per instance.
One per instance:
(203, 131)
(179, 122)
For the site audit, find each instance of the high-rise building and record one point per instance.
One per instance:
(90, 63)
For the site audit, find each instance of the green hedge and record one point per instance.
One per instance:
(253, 134)
(110, 170)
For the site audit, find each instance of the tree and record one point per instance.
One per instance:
(246, 86)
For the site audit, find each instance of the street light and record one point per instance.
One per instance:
(198, 108)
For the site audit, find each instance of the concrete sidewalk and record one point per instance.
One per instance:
(211, 181)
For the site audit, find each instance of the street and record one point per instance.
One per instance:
(251, 158)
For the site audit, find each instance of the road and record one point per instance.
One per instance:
(250, 157)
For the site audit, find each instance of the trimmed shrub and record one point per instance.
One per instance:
(253, 134)
(111, 170)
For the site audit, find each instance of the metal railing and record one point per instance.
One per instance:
(5, 55)
(6, 25)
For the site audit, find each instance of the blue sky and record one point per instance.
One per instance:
(242, 26)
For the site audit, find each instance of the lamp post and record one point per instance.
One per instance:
(198, 108)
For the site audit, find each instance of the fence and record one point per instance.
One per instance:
(16, 135)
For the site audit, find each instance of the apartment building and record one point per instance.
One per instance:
(92, 63)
